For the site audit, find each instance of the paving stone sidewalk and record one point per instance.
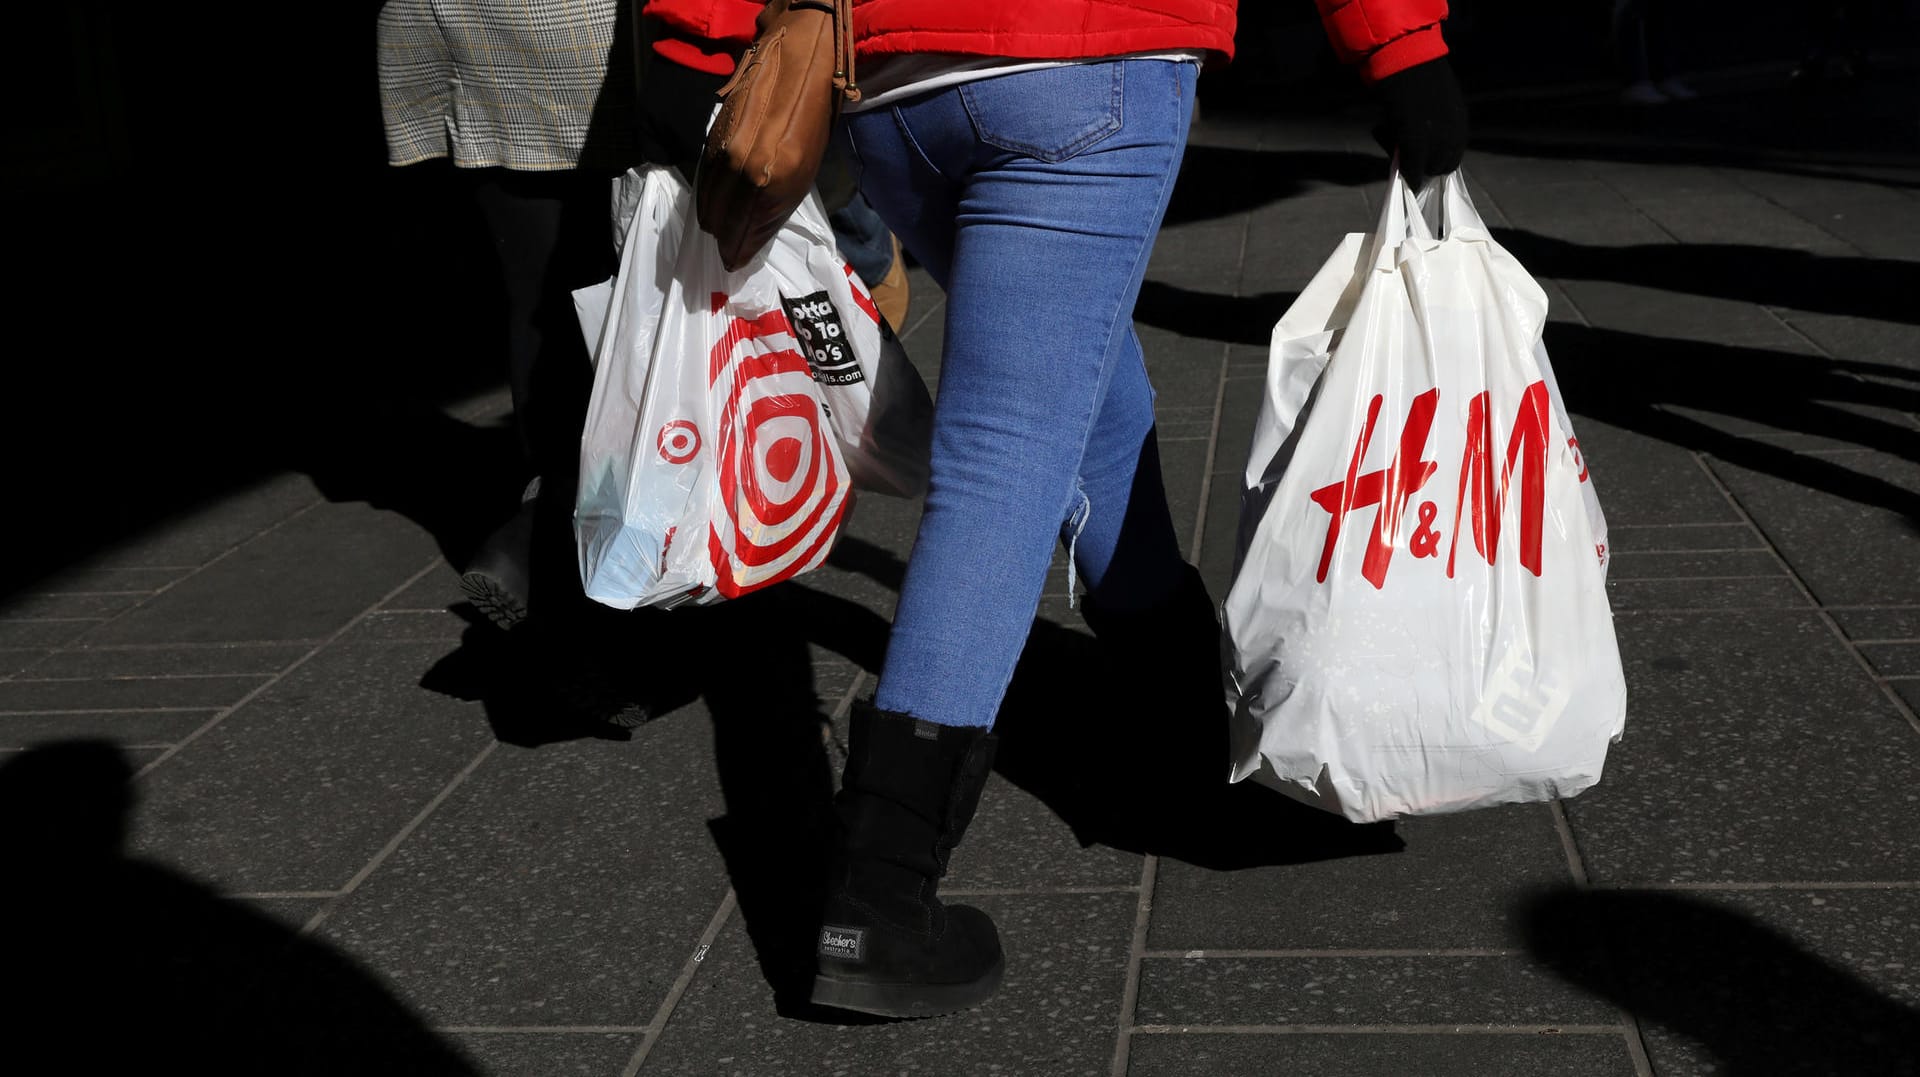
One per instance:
(352, 846)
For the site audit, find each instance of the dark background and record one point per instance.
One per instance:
(216, 277)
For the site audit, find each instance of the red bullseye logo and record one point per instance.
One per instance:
(679, 442)
(783, 485)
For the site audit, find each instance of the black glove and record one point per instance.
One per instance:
(1426, 120)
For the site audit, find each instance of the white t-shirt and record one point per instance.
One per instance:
(894, 77)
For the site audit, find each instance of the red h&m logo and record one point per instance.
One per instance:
(1390, 490)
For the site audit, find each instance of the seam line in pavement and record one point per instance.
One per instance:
(1730, 885)
(1714, 609)
(225, 713)
(1036, 891)
(1583, 880)
(279, 895)
(1377, 1030)
(680, 984)
(74, 645)
(1692, 579)
(326, 911)
(715, 924)
(1617, 554)
(541, 1030)
(123, 677)
(101, 710)
(1236, 955)
(1900, 706)
(1150, 864)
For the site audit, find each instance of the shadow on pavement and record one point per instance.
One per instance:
(1757, 1001)
(1878, 288)
(1074, 734)
(119, 966)
(1636, 382)
(1220, 181)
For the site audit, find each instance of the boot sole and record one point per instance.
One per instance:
(500, 605)
(907, 1000)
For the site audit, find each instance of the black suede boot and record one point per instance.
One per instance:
(887, 944)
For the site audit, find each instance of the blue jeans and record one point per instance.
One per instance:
(1033, 199)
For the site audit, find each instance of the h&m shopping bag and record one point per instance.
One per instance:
(1418, 618)
(733, 413)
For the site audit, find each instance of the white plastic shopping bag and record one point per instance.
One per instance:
(1418, 618)
(732, 413)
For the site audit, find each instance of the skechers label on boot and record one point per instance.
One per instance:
(887, 944)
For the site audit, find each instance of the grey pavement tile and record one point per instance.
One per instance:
(1221, 536)
(1909, 690)
(1017, 843)
(563, 886)
(1560, 308)
(1287, 244)
(228, 660)
(67, 604)
(1055, 1013)
(1843, 426)
(1655, 538)
(1247, 360)
(411, 625)
(290, 913)
(1774, 982)
(1239, 412)
(308, 578)
(15, 635)
(300, 788)
(1678, 316)
(1628, 565)
(533, 1054)
(1360, 991)
(121, 727)
(199, 536)
(437, 590)
(1889, 622)
(1501, 172)
(1892, 346)
(1382, 1055)
(1894, 659)
(1640, 596)
(14, 660)
(1199, 255)
(1448, 889)
(1756, 750)
(1849, 530)
(87, 576)
(35, 693)
(1734, 217)
(1184, 465)
(1644, 480)
(1822, 197)
(1584, 212)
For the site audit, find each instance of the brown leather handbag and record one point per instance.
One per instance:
(776, 115)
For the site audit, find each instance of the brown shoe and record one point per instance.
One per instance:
(890, 294)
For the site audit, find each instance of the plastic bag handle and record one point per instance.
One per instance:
(1400, 220)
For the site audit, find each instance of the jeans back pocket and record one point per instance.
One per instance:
(1050, 114)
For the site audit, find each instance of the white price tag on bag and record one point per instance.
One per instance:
(1418, 618)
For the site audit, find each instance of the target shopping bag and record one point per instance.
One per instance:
(1418, 618)
(733, 413)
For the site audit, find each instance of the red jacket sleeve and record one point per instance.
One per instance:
(706, 35)
(1384, 36)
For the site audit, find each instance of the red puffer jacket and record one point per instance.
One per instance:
(1380, 37)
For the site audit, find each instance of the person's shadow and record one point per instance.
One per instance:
(116, 965)
(1751, 997)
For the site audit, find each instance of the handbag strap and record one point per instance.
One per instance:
(844, 82)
